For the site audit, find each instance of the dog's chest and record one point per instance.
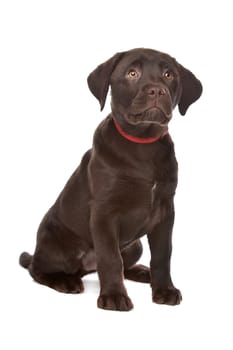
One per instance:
(134, 185)
(143, 209)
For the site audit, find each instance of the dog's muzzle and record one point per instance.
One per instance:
(153, 104)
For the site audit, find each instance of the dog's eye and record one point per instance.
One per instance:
(133, 74)
(168, 74)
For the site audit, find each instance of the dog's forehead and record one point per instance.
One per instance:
(146, 56)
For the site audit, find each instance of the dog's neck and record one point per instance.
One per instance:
(139, 139)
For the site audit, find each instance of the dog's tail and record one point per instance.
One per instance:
(25, 260)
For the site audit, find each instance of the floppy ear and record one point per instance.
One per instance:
(98, 80)
(191, 89)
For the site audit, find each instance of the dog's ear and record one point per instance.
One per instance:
(191, 89)
(98, 81)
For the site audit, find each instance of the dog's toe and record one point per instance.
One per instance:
(117, 302)
(169, 296)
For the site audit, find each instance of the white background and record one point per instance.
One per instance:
(48, 117)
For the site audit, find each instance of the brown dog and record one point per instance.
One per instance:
(123, 188)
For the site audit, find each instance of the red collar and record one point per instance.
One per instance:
(139, 139)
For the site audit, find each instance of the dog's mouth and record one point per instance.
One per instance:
(150, 116)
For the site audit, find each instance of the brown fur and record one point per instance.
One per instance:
(121, 190)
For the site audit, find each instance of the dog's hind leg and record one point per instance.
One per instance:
(59, 280)
(57, 261)
(132, 271)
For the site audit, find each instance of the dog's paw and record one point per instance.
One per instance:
(117, 302)
(70, 284)
(138, 273)
(169, 296)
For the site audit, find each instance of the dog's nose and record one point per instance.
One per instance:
(155, 91)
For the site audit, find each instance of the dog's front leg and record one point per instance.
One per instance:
(113, 294)
(160, 241)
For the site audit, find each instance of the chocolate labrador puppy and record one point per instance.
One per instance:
(123, 188)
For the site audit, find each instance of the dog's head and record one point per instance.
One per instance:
(146, 86)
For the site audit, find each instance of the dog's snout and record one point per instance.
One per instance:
(155, 91)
